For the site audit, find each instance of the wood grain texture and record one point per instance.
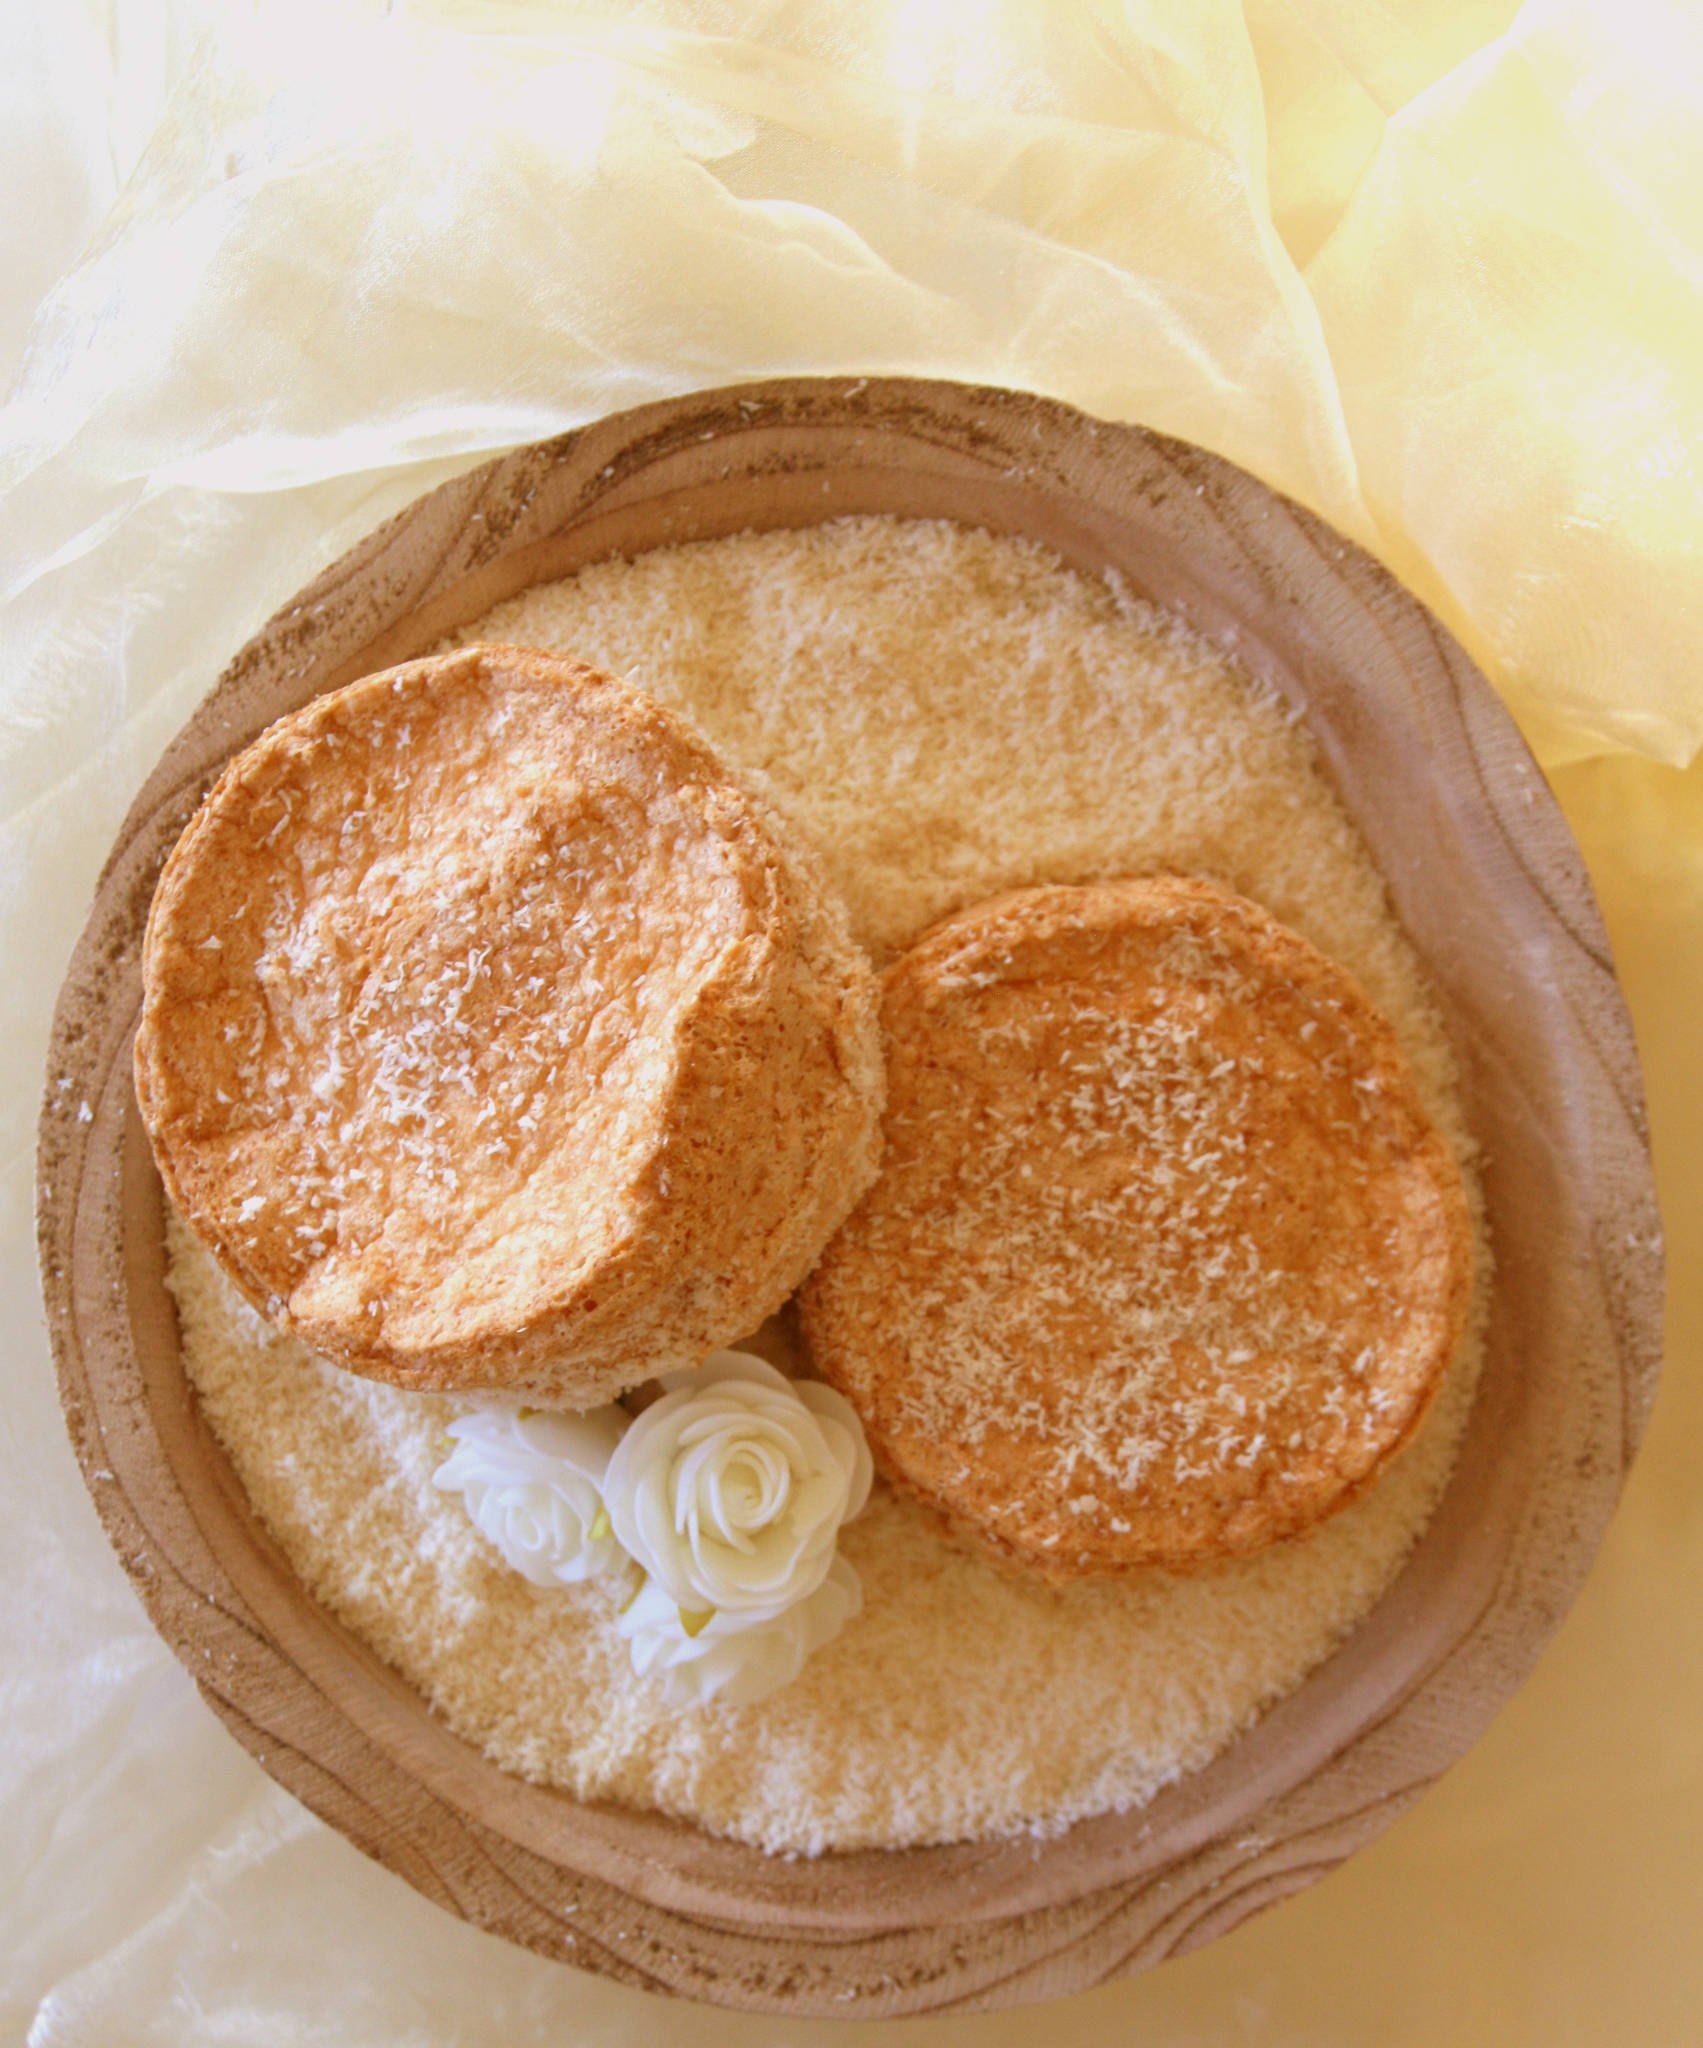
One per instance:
(1491, 890)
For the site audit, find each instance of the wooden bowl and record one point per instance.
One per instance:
(1491, 890)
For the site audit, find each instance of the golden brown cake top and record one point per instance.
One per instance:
(492, 1036)
(1165, 1259)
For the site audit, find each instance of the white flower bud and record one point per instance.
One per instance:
(533, 1484)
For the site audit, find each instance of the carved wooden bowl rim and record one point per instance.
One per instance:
(1486, 879)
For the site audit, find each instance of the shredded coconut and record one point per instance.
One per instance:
(944, 714)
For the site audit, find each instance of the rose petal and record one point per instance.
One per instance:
(729, 1664)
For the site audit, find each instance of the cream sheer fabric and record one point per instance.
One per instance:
(1432, 267)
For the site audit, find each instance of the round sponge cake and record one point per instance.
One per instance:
(492, 1036)
(1165, 1259)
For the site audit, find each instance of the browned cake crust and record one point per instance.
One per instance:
(493, 1037)
(1165, 1259)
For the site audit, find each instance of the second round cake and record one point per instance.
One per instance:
(1165, 1259)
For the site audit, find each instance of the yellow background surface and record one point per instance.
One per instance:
(1434, 267)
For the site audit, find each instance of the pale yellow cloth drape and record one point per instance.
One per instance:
(1434, 267)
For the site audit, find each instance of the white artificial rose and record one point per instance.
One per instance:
(731, 1489)
(727, 1661)
(533, 1484)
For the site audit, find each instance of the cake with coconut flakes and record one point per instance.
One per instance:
(1165, 1259)
(494, 1037)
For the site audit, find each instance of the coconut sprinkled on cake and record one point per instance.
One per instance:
(1164, 1259)
(529, 1055)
